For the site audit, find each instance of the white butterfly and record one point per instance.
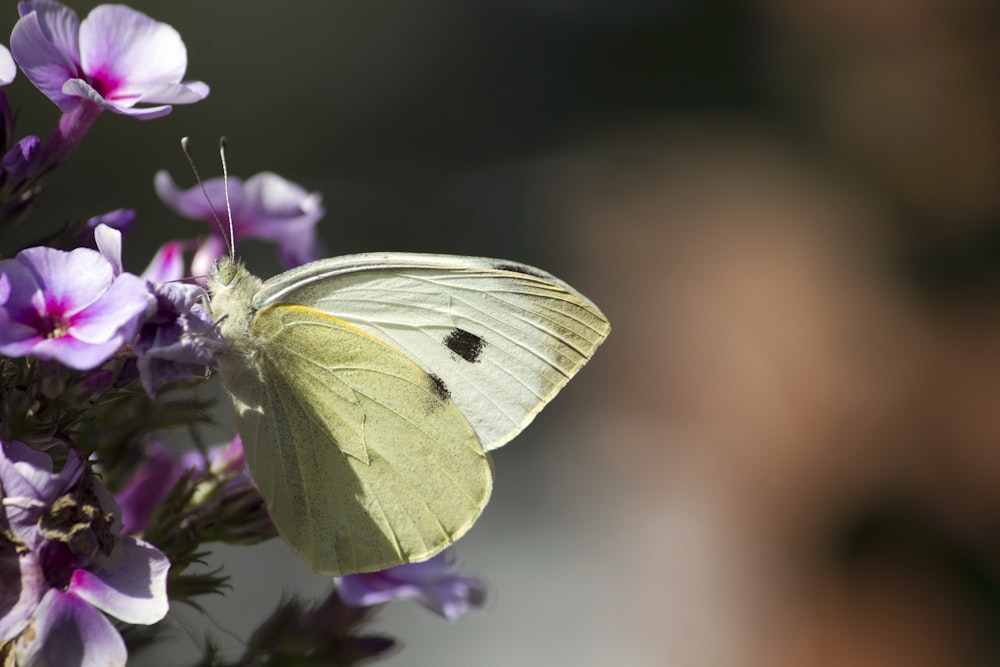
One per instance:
(369, 389)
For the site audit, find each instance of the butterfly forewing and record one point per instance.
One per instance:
(363, 458)
(501, 337)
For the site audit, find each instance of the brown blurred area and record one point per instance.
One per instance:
(798, 406)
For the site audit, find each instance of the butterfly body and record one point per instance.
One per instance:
(369, 389)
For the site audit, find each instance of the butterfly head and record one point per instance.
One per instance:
(226, 272)
(232, 288)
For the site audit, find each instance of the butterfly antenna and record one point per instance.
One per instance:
(225, 185)
(186, 147)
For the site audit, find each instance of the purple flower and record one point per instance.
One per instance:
(68, 306)
(110, 226)
(179, 340)
(229, 504)
(24, 160)
(62, 563)
(120, 219)
(167, 264)
(116, 58)
(432, 583)
(148, 486)
(205, 255)
(265, 207)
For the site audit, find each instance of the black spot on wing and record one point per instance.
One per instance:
(465, 344)
(439, 388)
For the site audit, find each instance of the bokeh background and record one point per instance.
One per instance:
(788, 452)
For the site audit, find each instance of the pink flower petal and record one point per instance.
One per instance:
(276, 206)
(207, 254)
(130, 585)
(19, 291)
(120, 219)
(109, 243)
(76, 354)
(19, 340)
(433, 583)
(283, 212)
(44, 44)
(68, 632)
(167, 264)
(70, 280)
(125, 52)
(78, 88)
(60, 24)
(185, 92)
(115, 314)
(149, 485)
(29, 485)
(17, 282)
(192, 202)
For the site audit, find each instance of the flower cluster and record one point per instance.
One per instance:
(101, 520)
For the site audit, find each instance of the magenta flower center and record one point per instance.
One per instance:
(104, 83)
(53, 323)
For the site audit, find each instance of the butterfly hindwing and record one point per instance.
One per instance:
(362, 456)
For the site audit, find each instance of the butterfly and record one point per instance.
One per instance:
(369, 390)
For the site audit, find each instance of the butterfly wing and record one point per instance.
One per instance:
(364, 460)
(503, 338)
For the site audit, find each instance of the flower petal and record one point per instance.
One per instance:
(116, 314)
(194, 203)
(72, 280)
(279, 196)
(76, 354)
(185, 92)
(207, 254)
(283, 212)
(433, 583)
(68, 632)
(19, 340)
(18, 284)
(44, 44)
(274, 204)
(109, 243)
(30, 486)
(120, 218)
(167, 264)
(60, 23)
(127, 51)
(148, 486)
(77, 88)
(8, 68)
(452, 598)
(130, 585)
(19, 291)
(24, 159)
(22, 589)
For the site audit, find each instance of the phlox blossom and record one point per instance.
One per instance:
(117, 58)
(63, 563)
(265, 207)
(178, 340)
(73, 307)
(434, 583)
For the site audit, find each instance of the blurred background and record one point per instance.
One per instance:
(788, 451)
